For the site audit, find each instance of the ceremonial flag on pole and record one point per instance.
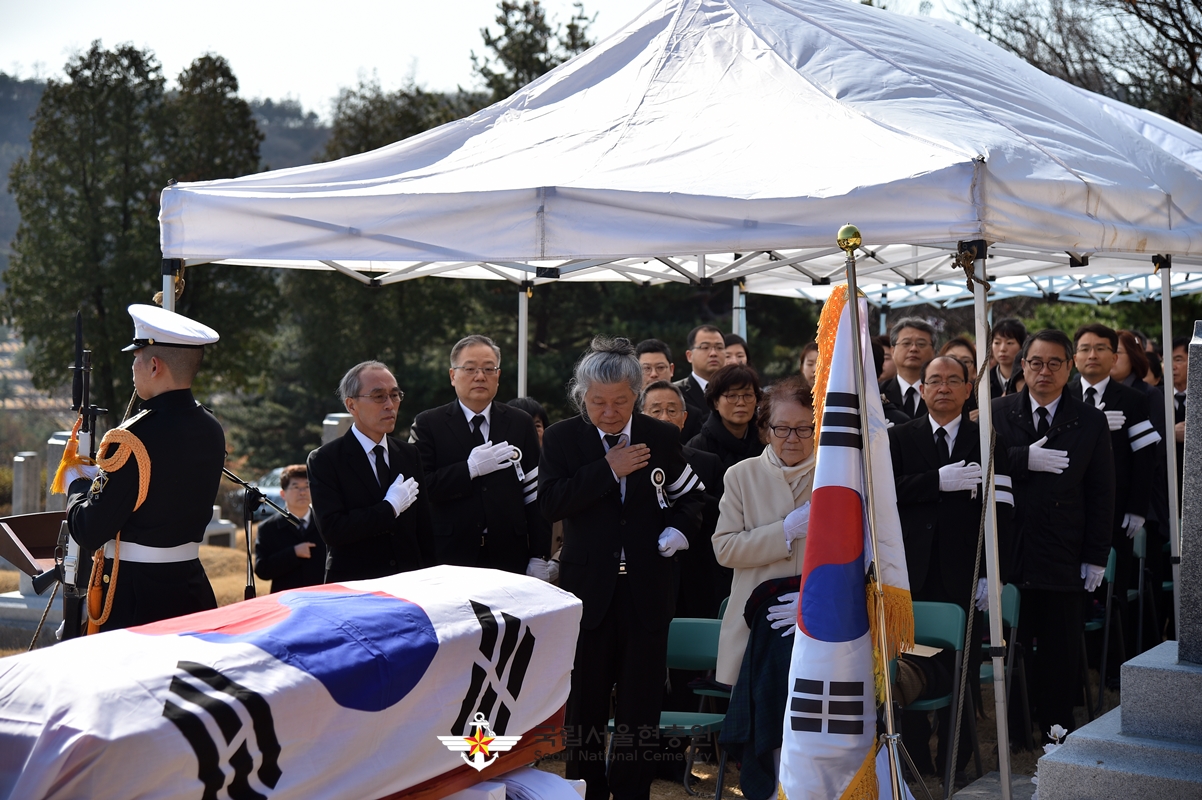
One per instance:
(837, 672)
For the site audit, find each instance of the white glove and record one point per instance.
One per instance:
(553, 571)
(1041, 460)
(1115, 420)
(785, 616)
(1092, 574)
(982, 594)
(796, 524)
(401, 494)
(670, 541)
(80, 471)
(959, 477)
(488, 458)
(1132, 523)
(538, 568)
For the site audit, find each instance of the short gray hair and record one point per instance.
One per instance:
(470, 341)
(917, 323)
(350, 384)
(661, 386)
(607, 361)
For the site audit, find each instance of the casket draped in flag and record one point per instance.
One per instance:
(836, 674)
(337, 691)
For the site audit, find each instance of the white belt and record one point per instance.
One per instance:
(141, 554)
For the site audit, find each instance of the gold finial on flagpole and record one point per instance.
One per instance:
(848, 238)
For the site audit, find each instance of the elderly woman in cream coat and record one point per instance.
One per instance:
(764, 514)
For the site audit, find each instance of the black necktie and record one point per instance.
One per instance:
(1180, 410)
(478, 429)
(1091, 395)
(612, 439)
(945, 455)
(1042, 427)
(381, 467)
(911, 404)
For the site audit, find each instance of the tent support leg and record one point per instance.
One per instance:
(523, 335)
(738, 309)
(171, 269)
(1165, 266)
(994, 591)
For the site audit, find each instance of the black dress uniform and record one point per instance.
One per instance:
(186, 446)
(275, 553)
(611, 561)
(492, 520)
(891, 391)
(695, 404)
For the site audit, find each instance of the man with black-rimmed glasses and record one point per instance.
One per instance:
(481, 465)
(1062, 465)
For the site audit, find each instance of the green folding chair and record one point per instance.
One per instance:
(692, 645)
(1092, 625)
(722, 694)
(1011, 602)
(1140, 547)
(942, 625)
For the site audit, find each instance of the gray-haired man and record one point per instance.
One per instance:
(629, 503)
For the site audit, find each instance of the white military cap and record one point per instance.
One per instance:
(158, 326)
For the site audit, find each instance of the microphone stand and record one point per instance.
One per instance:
(252, 498)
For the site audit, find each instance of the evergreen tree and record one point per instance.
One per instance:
(527, 47)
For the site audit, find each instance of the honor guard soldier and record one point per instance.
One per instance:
(143, 509)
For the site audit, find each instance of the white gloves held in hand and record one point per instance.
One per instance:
(1115, 420)
(670, 541)
(785, 616)
(1132, 523)
(959, 477)
(82, 471)
(1092, 574)
(401, 494)
(544, 570)
(1040, 459)
(488, 458)
(982, 594)
(796, 524)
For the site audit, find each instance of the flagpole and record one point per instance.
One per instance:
(848, 240)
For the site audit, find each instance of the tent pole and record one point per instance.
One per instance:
(523, 334)
(736, 299)
(1165, 266)
(171, 268)
(994, 590)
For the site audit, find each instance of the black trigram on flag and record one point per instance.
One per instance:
(498, 674)
(810, 705)
(205, 700)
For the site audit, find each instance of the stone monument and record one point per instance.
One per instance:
(1151, 745)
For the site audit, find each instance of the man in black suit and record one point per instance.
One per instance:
(629, 502)
(913, 341)
(937, 468)
(1133, 441)
(1063, 471)
(483, 500)
(706, 353)
(365, 486)
(288, 556)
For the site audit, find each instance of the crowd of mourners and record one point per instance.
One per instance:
(672, 498)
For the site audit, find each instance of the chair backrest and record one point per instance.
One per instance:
(939, 624)
(1011, 602)
(722, 607)
(1110, 566)
(693, 643)
(1140, 543)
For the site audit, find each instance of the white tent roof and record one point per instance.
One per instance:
(728, 126)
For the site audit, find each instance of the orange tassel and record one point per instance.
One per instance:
(71, 458)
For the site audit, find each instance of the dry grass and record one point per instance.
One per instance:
(9, 579)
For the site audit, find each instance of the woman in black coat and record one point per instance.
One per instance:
(730, 432)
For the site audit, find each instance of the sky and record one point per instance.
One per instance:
(301, 49)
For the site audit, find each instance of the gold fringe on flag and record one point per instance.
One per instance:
(899, 630)
(863, 785)
(71, 458)
(828, 326)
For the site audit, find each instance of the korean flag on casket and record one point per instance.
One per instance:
(829, 746)
(337, 691)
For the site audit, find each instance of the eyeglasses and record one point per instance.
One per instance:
(396, 396)
(951, 383)
(1037, 364)
(802, 431)
(487, 372)
(668, 411)
(655, 369)
(738, 398)
(297, 487)
(920, 344)
(705, 347)
(1086, 349)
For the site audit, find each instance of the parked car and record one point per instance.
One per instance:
(269, 485)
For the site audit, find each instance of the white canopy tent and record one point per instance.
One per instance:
(709, 127)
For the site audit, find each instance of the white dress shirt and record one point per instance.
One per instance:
(368, 445)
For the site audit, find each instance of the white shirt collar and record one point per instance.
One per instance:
(624, 432)
(951, 429)
(1100, 386)
(467, 412)
(702, 382)
(905, 386)
(1051, 407)
(368, 445)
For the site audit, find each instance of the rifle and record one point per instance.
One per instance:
(72, 565)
